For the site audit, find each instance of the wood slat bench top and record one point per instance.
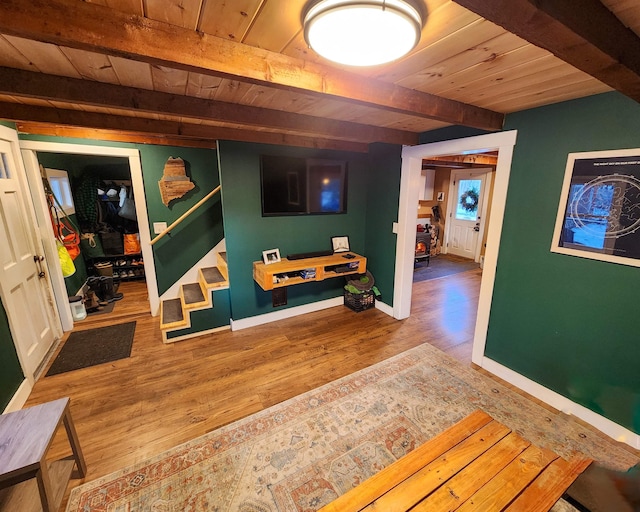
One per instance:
(478, 464)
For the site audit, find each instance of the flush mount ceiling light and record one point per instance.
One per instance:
(363, 33)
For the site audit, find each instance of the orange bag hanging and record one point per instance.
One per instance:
(132, 243)
(69, 238)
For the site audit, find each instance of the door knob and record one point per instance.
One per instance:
(38, 260)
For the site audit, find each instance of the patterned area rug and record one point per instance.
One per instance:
(303, 453)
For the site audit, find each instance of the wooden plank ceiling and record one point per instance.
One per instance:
(194, 71)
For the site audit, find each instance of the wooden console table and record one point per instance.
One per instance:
(323, 267)
(476, 465)
(25, 438)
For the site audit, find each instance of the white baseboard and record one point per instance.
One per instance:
(562, 403)
(253, 321)
(384, 308)
(20, 397)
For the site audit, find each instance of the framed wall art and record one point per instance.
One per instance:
(599, 212)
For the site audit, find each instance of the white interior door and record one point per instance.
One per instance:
(24, 289)
(467, 193)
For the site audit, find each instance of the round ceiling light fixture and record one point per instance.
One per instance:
(362, 33)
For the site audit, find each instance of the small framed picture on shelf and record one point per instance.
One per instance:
(271, 256)
(340, 243)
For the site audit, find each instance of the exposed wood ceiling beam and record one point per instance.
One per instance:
(57, 130)
(584, 34)
(97, 28)
(56, 88)
(26, 113)
(461, 161)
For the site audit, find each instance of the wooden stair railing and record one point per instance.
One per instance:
(186, 214)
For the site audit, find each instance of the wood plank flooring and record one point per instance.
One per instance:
(164, 395)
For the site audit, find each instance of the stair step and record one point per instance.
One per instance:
(172, 314)
(222, 265)
(212, 276)
(176, 313)
(193, 295)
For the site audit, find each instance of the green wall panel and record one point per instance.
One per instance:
(10, 371)
(176, 254)
(568, 323)
(382, 212)
(248, 233)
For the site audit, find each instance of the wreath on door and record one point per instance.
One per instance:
(469, 200)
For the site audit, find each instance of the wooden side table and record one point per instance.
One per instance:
(25, 438)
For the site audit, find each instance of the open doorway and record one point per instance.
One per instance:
(116, 174)
(91, 197)
(453, 210)
(412, 162)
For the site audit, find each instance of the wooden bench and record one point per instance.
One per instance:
(477, 464)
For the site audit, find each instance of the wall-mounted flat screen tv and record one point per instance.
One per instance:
(302, 186)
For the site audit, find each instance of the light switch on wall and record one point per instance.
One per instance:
(159, 227)
(394, 228)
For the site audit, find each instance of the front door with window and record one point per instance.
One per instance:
(24, 289)
(464, 219)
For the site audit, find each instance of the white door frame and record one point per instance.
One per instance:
(412, 157)
(484, 207)
(29, 153)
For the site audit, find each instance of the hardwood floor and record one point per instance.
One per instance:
(164, 395)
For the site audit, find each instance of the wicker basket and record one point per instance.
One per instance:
(359, 301)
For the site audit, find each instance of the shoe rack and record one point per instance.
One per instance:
(125, 267)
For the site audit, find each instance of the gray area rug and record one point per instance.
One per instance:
(94, 346)
(441, 266)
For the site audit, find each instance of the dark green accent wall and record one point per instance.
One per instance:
(248, 233)
(450, 133)
(383, 193)
(193, 238)
(568, 323)
(10, 371)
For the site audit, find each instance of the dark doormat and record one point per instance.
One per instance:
(441, 266)
(94, 346)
